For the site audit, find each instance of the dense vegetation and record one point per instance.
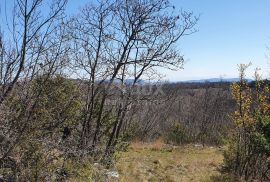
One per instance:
(249, 148)
(74, 93)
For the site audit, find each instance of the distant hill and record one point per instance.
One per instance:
(214, 80)
(201, 81)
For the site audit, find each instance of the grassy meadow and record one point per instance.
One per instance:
(160, 162)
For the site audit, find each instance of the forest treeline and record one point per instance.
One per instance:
(73, 90)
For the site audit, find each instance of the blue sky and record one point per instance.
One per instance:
(230, 32)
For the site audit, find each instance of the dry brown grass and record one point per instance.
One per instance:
(137, 145)
(153, 162)
(158, 144)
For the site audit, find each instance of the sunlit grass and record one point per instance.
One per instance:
(160, 162)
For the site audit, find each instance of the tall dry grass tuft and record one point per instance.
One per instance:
(158, 144)
(137, 144)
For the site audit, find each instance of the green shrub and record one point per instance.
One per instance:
(248, 155)
(177, 135)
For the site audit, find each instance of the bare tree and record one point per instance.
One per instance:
(120, 41)
(28, 39)
(32, 45)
